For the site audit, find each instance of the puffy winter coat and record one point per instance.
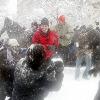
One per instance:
(49, 41)
(34, 77)
(32, 84)
(65, 34)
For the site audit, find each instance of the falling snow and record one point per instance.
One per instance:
(77, 12)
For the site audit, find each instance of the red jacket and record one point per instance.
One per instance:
(51, 38)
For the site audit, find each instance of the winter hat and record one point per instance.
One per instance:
(45, 21)
(61, 18)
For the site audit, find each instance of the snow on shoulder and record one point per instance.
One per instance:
(13, 42)
(31, 47)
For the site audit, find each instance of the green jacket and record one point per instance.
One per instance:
(65, 34)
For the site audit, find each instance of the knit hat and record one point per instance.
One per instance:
(45, 21)
(61, 18)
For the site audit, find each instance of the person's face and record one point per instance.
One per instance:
(44, 28)
(61, 22)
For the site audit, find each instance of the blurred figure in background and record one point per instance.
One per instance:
(13, 29)
(9, 55)
(83, 53)
(97, 26)
(65, 32)
(30, 32)
(34, 26)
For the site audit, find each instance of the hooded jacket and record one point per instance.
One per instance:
(65, 34)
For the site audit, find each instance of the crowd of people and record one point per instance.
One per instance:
(29, 66)
(32, 68)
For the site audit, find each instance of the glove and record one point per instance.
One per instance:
(51, 47)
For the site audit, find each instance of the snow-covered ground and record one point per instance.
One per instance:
(75, 89)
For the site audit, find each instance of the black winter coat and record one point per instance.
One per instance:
(94, 41)
(33, 82)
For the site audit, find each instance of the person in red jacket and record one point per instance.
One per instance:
(46, 37)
